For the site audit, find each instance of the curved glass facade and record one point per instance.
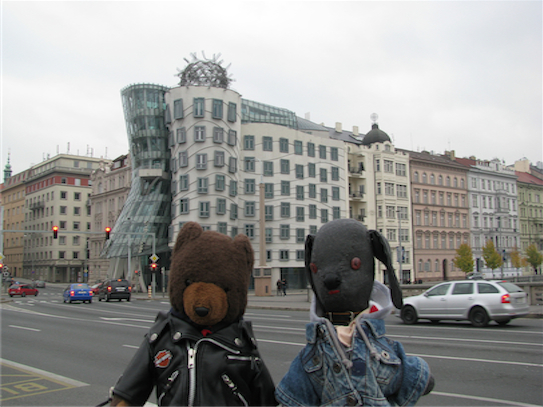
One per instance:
(147, 208)
(255, 112)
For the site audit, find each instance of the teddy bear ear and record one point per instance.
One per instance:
(189, 231)
(242, 243)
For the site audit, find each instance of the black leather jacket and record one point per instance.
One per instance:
(222, 368)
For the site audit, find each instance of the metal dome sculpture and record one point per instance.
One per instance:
(205, 72)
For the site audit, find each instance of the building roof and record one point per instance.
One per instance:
(526, 178)
(307, 125)
(435, 159)
(375, 135)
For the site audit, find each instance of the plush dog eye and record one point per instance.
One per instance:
(313, 268)
(187, 282)
(356, 263)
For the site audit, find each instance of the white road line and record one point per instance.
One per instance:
(281, 342)
(25, 328)
(487, 400)
(503, 362)
(131, 346)
(62, 379)
(128, 319)
(464, 340)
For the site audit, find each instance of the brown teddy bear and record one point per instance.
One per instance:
(201, 352)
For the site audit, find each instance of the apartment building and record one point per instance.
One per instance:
(57, 194)
(440, 211)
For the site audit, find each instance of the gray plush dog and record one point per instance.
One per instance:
(347, 359)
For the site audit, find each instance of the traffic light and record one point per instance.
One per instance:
(1, 267)
(108, 230)
(55, 232)
(154, 267)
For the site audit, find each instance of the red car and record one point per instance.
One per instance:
(23, 290)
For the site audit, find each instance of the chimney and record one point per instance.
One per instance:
(355, 130)
(338, 127)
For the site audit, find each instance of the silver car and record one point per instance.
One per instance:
(478, 301)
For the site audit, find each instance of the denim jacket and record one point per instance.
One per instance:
(374, 371)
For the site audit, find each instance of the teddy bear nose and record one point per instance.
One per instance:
(331, 281)
(201, 311)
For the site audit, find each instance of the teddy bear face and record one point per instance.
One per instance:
(341, 267)
(209, 275)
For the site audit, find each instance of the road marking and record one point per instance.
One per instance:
(24, 327)
(504, 362)
(464, 340)
(486, 400)
(281, 342)
(127, 319)
(131, 346)
(19, 381)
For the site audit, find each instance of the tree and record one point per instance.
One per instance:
(464, 258)
(492, 258)
(517, 260)
(533, 256)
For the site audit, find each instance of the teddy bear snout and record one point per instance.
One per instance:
(201, 311)
(205, 303)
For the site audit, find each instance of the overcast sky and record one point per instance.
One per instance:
(460, 75)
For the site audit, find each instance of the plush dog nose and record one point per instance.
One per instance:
(331, 281)
(201, 311)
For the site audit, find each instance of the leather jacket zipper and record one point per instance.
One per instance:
(234, 388)
(191, 364)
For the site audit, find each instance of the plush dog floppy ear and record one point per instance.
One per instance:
(381, 251)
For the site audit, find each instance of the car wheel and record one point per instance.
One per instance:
(128, 299)
(478, 317)
(23, 295)
(35, 294)
(11, 295)
(503, 322)
(409, 315)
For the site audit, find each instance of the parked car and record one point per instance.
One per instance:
(96, 289)
(475, 275)
(117, 289)
(77, 292)
(23, 290)
(40, 284)
(478, 301)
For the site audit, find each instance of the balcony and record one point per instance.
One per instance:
(356, 195)
(37, 205)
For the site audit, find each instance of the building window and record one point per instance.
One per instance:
(269, 237)
(285, 209)
(323, 175)
(284, 232)
(181, 135)
(217, 109)
(300, 235)
(249, 164)
(77, 210)
(389, 188)
(388, 166)
(233, 211)
(250, 186)
(232, 114)
(204, 209)
(248, 142)
(267, 143)
(300, 192)
(63, 195)
(201, 161)
(401, 191)
(184, 205)
(324, 195)
(250, 208)
(334, 156)
(218, 135)
(183, 159)
(268, 191)
(63, 210)
(400, 170)
(335, 193)
(311, 149)
(178, 109)
(312, 211)
(76, 226)
(336, 212)
(221, 206)
(202, 185)
(283, 145)
(268, 211)
(300, 214)
(299, 171)
(232, 164)
(285, 188)
(324, 215)
(298, 147)
(268, 168)
(311, 170)
(250, 230)
(390, 212)
(285, 167)
(283, 255)
(312, 190)
(233, 231)
(199, 134)
(184, 182)
(219, 158)
(335, 173)
(232, 137)
(378, 189)
(233, 188)
(219, 182)
(222, 227)
(198, 107)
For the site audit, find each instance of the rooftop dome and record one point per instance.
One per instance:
(205, 72)
(375, 135)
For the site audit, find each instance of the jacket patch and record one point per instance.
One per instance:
(163, 358)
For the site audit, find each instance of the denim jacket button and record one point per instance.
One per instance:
(337, 367)
(316, 360)
(351, 401)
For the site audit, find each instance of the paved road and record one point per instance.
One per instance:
(69, 354)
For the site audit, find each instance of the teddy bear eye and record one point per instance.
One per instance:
(187, 282)
(226, 289)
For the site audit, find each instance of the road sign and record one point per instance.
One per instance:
(154, 258)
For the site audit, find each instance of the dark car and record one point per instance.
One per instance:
(23, 290)
(117, 289)
(77, 292)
